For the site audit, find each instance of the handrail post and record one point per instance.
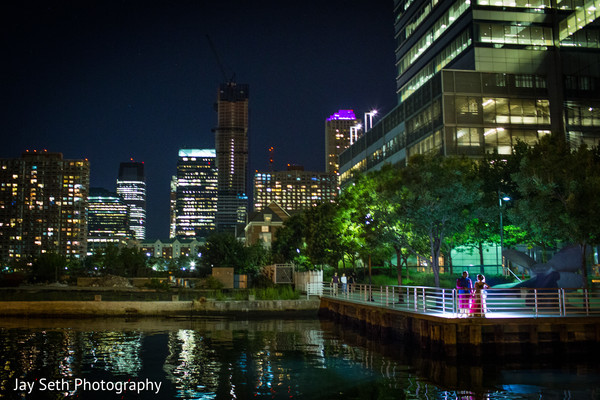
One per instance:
(564, 302)
(444, 301)
(535, 298)
(455, 301)
(424, 300)
(387, 296)
(416, 300)
(560, 302)
(587, 302)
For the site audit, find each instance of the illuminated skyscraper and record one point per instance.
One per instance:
(231, 142)
(43, 202)
(338, 130)
(294, 189)
(131, 186)
(108, 219)
(477, 76)
(195, 194)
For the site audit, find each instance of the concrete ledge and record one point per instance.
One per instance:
(480, 336)
(149, 308)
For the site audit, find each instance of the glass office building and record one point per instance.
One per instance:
(108, 220)
(131, 186)
(475, 76)
(196, 194)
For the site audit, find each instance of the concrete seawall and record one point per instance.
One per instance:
(478, 336)
(152, 308)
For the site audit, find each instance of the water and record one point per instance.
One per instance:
(220, 358)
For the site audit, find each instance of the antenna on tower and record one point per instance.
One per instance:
(271, 153)
(219, 63)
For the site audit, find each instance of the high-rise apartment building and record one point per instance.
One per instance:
(476, 76)
(43, 201)
(341, 130)
(196, 194)
(131, 186)
(231, 142)
(107, 220)
(294, 189)
(173, 207)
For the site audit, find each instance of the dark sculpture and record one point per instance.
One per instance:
(560, 272)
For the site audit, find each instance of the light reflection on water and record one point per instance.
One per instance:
(292, 359)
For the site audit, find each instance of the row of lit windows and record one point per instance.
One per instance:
(514, 34)
(448, 54)
(584, 15)
(474, 109)
(583, 115)
(416, 20)
(537, 5)
(440, 26)
(496, 137)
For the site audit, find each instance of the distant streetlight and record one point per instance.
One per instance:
(502, 198)
(354, 133)
(369, 120)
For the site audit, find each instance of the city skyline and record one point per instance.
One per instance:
(113, 81)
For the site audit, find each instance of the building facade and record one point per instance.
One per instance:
(263, 225)
(107, 220)
(171, 249)
(43, 202)
(131, 186)
(341, 130)
(196, 194)
(231, 143)
(474, 77)
(294, 189)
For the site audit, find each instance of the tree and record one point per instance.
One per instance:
(560, 188)
(48, 267)
(391, 220)
(223, 250)
(289, 240)
(440, 195)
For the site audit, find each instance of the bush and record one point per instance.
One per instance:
(158, 284)
(213, 283)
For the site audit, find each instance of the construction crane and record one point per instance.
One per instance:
(219, 63)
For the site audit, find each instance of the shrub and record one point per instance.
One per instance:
(213, 283)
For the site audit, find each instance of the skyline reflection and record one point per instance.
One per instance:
(226, 359)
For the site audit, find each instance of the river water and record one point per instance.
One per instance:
(224, 358)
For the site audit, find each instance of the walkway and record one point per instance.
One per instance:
(498, 303)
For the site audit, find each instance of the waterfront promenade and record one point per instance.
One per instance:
(516, 321)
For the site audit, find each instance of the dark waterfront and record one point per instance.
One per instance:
(218, 358)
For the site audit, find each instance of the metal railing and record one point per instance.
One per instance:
(491, 303)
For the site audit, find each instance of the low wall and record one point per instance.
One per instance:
(150, 308)
(477, 336)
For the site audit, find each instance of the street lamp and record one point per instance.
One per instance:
(369, 120)
(354, 133)
(502, 198)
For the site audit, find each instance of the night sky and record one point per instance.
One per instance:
(115, 80)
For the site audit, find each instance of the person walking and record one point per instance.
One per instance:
(334, 283)
(464, 286)
(344, 282)
(479, 306)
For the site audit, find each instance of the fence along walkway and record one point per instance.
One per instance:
(497, 303)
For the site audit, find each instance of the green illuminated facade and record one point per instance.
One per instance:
(476, 76)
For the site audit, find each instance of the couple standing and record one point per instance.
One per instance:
(471, 299)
